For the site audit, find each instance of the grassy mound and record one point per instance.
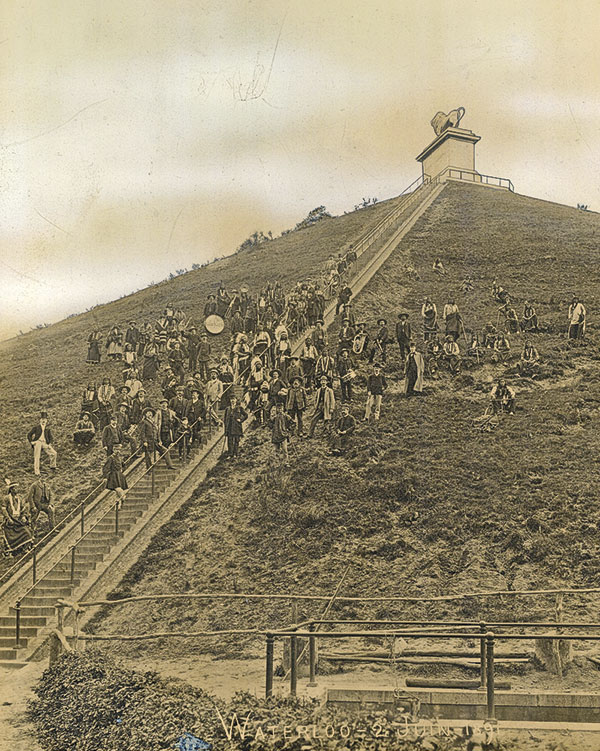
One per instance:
(46, 369)
(423, 504)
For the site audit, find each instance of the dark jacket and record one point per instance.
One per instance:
(147, 432)
(376, 384)
(234, 419)
(36, 432)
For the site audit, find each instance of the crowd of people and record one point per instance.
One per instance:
(283, 372)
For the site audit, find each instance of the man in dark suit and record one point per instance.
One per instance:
(233, 425)
(179, 404)
(40, 438)
(403, 334)
(40, 499)
(111, 435)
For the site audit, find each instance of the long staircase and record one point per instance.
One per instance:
(91, 559)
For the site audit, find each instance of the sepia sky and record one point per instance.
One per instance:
(143, 136)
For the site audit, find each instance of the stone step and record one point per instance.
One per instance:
(37, 601)
(92, 547)
(56, 581)
(8, 654)
(81, 569)
(28, 610)
(9, 621)
(7, 642)
(43, 590)
(6, 632)
(83, 556)
(13, 664)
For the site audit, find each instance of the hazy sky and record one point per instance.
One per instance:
(141, 136)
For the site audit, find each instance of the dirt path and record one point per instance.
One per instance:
(15, 689)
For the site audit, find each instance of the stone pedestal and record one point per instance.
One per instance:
(455, 148)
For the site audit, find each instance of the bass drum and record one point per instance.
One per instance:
(214, 324)
(359, 343)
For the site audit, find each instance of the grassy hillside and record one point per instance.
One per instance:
(422, 504)
(46, 369)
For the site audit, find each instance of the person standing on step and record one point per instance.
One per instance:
(15, 528)
(113, 471)
(234, 418)
(376, 385)
(147, 434)
(40, 439)
(166, 422)
(39, 499)
(196, 412)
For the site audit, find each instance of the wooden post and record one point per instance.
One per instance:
(312, 655)
(491, 708)
(483, 656)
(82, 520)
(18, 623)
(60, 612)
(269, 677)
(558, 614)
(293, 665)
(76, 628)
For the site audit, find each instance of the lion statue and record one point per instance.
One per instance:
(441, 121)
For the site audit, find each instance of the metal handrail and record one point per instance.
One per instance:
(479, 177)
(33, 551)
(73, 547)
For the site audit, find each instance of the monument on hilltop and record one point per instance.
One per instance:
(453, 147)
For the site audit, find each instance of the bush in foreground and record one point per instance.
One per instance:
(87, 702)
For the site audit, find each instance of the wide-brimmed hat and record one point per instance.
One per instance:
(297, 379)
(149, 409)
(124, 404)
(382, 322)
(403, 314)
(43, 415)
(377, 365)
(275, 371)
(127, 388)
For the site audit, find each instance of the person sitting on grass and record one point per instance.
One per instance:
(501, 348)
(84, 430)
(503, 397)
(344, 428)
(529, 362)
(451, 354)
(490, 334)
(438, 267)
(511, 320)
(529, 322)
